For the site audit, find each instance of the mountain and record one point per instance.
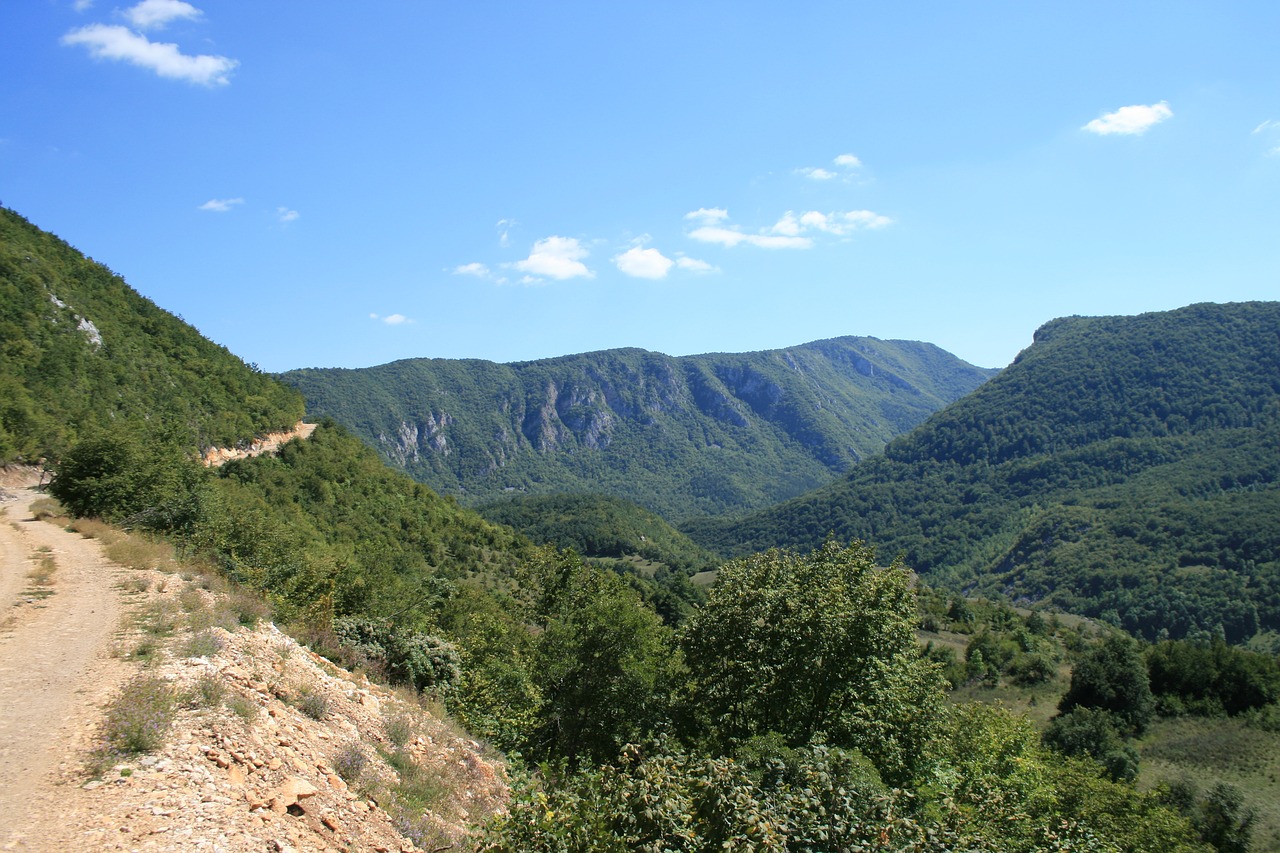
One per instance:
(680, 436)
(80, 349)
(1122, 467)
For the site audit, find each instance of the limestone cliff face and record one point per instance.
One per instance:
(712, 432)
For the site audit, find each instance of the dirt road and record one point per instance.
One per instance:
(56, 670)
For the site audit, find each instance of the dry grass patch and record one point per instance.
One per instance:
(92, 528)
(41, 575)
(138, 552)
(46, 508)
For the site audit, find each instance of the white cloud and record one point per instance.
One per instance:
(556, 257)
(220, 205)
(732, 237)
(286, 215)
(82, 5)
(155, 14)
(694, 265)
(391, 319)
(817, 174)
(708, 215)
(644, 263)
(119, 43)
(1266, 125)
(792, 230)
(476, 269)
(848, 161)
(504, 227)
(1131, 120)
(840, 223)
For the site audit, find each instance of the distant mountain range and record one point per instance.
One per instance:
(1122, 467)
(682, 436)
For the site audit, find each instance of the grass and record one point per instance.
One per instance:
(202, 644)
(208, 691)
(418, 793)
(243, 708)
(1219, 750)
(137, 584)
(314, 705)
(41, 575)
(138, 552)
(46, 508)
(350, 763)
(399, 729)
(136, 721)
(91, 528)
(156, 619)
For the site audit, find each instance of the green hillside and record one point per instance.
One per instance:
(1122, 467)
(680, 436)
(80, 349)
(600, 526)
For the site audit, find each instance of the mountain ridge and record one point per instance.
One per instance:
(1122, 467)
(745, 429)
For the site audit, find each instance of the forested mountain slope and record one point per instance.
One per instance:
(1123, 467)
(80, 349)
(696, 434)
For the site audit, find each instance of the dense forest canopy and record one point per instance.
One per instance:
(1123, 467)
(80, 349)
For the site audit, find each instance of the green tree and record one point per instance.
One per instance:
(135, 476)
(1112, 676)
(600, 664)
(819, 646)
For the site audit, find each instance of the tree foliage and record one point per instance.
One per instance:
(1112, 676)
(80, 351)
(1125, 468)
(814, 646)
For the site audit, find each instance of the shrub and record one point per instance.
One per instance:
(399, 729)
(314, 705)
(408, 657)
(204, 644)
(138, 719)
(350, 762)
(208, 691)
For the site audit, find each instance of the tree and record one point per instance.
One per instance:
(600, 663)
(136, 476)
(1113, 677)
(815, 647)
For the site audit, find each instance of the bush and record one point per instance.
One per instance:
(408, 657)
(1094, 734)
(137, 720)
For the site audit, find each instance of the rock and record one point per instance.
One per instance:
(290, 791)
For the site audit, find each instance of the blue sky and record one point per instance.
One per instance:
(337, 184)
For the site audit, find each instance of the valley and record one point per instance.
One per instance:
(940, 607)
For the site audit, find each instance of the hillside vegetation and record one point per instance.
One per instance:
(680, 436)
(80, 349)
(1121, 467)
(794, 709)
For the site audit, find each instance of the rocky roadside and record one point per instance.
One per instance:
(270, 747)
(255, 772)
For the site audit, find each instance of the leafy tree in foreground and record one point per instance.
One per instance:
(135, 476)
(815, 647)
(600, 663)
